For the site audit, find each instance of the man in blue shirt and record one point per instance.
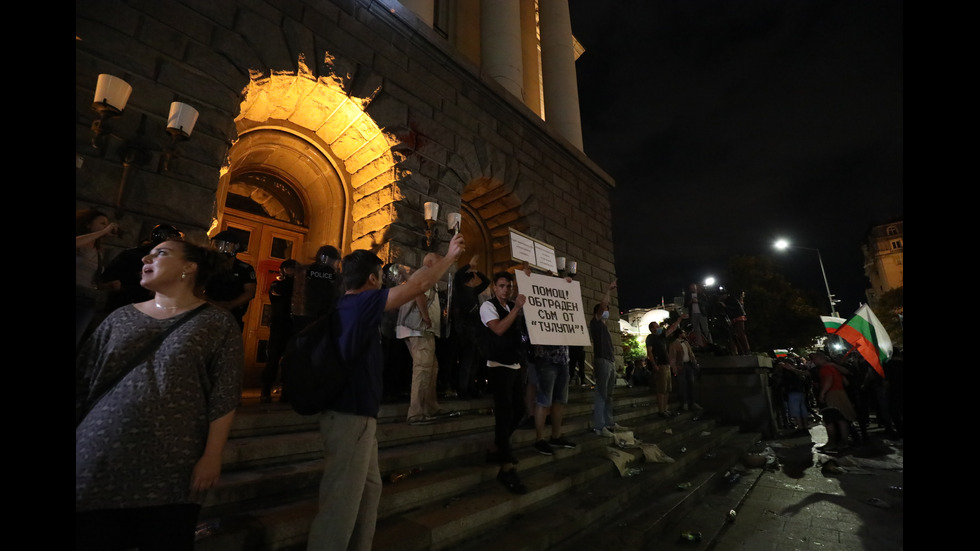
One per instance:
(350, 489)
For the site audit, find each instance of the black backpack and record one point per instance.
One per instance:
(313, 376)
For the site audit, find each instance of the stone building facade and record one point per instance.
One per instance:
(333, 122)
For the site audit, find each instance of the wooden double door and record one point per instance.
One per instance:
(269, 244)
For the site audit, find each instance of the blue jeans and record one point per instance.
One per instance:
(605, 381)
(552, 383)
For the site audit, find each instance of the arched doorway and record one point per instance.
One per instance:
(286, 199)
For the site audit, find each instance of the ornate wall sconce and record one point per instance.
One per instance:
(431, 216)
(180, 124)
(566, 267)
(111, 95)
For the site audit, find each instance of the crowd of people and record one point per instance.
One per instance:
(158, 380)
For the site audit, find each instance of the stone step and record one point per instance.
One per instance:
(449, 496)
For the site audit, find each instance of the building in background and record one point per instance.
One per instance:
(332, 122)
(884, 260)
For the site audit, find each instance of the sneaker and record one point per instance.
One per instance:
(666, 414)
(510, 481)
(543, 448)
(617, 427)
(561, 442)
(421, 420)
(603, 432)
(684, 407)
(696, 406)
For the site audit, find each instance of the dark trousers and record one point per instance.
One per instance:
(161, 528)
(507, 386)
(576, 362)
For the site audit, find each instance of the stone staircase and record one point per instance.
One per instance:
(439, 493)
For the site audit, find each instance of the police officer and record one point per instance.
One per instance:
(317, 287)
(232, 289)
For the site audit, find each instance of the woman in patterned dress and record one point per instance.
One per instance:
(148, 446)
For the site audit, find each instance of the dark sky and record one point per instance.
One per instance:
(729, 124)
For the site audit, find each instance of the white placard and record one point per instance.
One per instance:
(521, 247)
(545, 255)
(537, 253)
(553, 311)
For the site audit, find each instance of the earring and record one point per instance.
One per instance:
(183, 275)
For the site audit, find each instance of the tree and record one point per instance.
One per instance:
(632, 348)
(778, 315)
(889, 309)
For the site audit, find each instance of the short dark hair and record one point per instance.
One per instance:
(597, 308)
(358, 266)
(503, 274)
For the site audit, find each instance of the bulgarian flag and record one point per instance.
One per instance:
(832, 324)
(866, 334)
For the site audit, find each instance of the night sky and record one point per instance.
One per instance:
(729, 124)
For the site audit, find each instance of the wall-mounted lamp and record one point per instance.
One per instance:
(111, 95)
(431, 216)
(566, 267)
(180, 124)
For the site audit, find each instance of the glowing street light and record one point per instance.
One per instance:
(782, 244)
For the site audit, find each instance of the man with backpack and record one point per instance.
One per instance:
(350, 489)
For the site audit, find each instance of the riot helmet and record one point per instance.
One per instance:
(163, 232)
(226, 243)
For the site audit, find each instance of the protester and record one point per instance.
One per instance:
(685, 364)
(505, 356)
(419, 321)
(838, 412)
(350, 489)
(154, 409)
(603, 421)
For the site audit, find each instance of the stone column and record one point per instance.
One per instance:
(558, 71)
(500, 44)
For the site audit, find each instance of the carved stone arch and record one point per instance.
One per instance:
(344, 160)
(497, 198)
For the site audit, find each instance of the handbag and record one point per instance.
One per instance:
(147, 348)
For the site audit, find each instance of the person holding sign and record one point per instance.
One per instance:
(503, 318)
(603, 423)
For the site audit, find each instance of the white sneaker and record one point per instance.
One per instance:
(603, 432)
(617, 427)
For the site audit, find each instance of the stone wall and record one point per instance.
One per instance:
(445, 133)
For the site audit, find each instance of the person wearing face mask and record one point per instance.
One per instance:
(235, 288)
(603, 423)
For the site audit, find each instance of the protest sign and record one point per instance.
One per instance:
(553, 311)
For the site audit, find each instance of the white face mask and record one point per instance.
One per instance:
(605, 315)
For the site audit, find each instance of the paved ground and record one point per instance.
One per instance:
(848, 502)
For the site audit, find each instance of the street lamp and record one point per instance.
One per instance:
(782, 244)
